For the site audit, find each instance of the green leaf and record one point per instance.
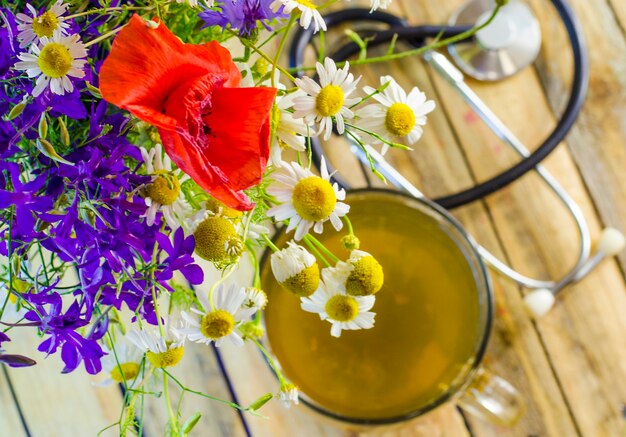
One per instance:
(191, 423)
(47, 149)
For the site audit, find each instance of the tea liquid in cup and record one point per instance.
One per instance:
(427, 327)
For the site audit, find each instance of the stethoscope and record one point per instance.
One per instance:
(510, 43)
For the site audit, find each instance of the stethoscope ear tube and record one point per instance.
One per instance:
(416, 36)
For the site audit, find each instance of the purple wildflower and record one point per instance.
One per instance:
(241, 15)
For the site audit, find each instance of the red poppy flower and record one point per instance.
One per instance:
(215, 132)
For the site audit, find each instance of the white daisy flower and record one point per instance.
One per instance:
(32, 28)
(290, 131)
(288, 395)
(361, 275)
(161, 351)
(340, 309)
(163, 193)
(306, 7)
(122, 364)
(308, 201)
(379, 4)
(329, 100)
(219, 321)
(398, 116)
(255, 298)
(53, 62)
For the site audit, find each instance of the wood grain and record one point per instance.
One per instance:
(10, 423)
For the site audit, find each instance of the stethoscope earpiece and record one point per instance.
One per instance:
(541, 300)
(611, 242)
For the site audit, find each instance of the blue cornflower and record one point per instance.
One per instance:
(241, 15)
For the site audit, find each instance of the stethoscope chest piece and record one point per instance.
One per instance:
(511, 41)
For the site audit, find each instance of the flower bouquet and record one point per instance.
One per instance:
(139, 137)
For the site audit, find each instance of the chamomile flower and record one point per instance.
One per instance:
(289, 131)
(32, 28)
(53, 62)
(398, 116)
(161, 351)
(327, 100)
(163, 193)
(288, 395)
(361, 275)
(308, 201)
(255, 298)
(379, 4)
(296, 269)
(216, 236)
(306, 7)
(122, 364)
(218, 321)
(340, 309)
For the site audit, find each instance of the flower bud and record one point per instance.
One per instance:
(350, 242)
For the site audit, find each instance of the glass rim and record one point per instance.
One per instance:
(484, 282)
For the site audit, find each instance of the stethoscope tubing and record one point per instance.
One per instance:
(577, 94)
(531, 161)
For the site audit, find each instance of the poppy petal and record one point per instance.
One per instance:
(147, 64)
(239, 133)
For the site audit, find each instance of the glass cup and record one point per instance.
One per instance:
(474, 388)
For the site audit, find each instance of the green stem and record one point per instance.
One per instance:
(271, 361)
(213, 398)
(270, 244)
(321, 246)
(9, 253)
(348, 224)
(167, 401)
(414, 52)
(316, 252)
(104, 36)
(105, 10)
(281, 46)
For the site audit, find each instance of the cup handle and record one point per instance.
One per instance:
(493, 399)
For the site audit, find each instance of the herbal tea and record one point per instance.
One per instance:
(427, 319)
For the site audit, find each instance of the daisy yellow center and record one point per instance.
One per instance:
(55, 60)
(125, 371)
(214, 236)
(304, 283)
(45, 24)
(366, 278)
(217, 324)
(342, 308)
(164, 189)
(330, 100)
(306, 4)
(169, 358)
(400, 119)
(314, 198)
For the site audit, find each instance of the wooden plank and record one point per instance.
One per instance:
(10, 422)
(50, 401)
(597, 141)
(583, 336)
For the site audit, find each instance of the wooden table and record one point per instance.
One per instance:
(570, 366)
